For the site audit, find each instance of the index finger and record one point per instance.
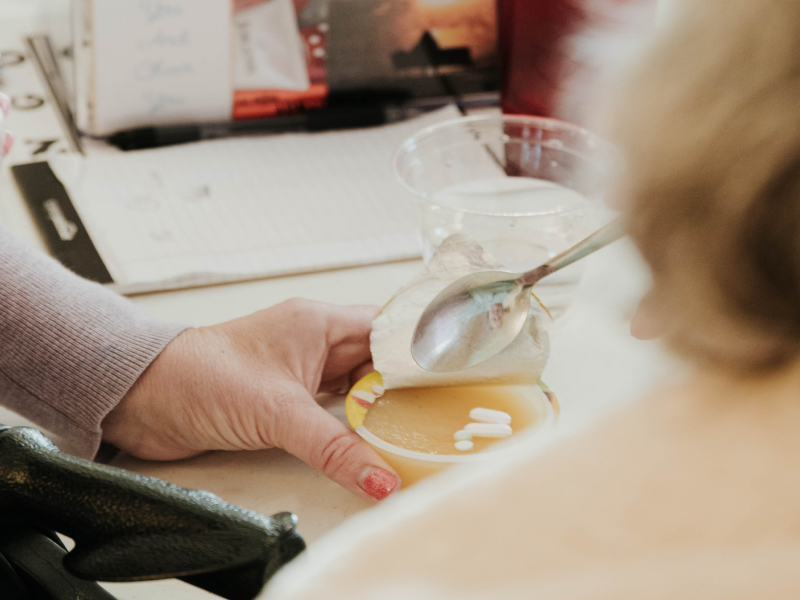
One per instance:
(347, 337)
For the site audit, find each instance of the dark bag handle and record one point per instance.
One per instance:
(128, 527)
(31, 568)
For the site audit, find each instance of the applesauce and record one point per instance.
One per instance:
(425, 419)
(413, 428)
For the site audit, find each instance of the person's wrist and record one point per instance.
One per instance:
(133, 425)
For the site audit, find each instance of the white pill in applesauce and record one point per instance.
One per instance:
(462, 435)
(464, 445)
(492, 430)
(378, 390)
(365, 396)
(487, 415)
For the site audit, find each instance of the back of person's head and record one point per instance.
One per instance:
(710, 132)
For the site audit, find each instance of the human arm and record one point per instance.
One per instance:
(252, 383)
(85, 363)
(69, 349)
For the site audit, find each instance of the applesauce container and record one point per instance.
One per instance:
(414, 434)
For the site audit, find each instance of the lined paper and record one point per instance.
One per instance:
(243, 208)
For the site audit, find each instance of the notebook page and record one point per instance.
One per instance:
(251, 207)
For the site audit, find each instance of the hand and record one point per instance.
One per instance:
(6, 137)
(648, 322)
(251, 383)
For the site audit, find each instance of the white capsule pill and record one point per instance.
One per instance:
(492, 430)
(464, 445)
(487, 415)
(461, 435)
(365, 396)
(378, 390)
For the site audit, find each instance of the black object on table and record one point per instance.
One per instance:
(342, 117)
(126, 527)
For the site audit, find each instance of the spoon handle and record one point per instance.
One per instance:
(599, 239)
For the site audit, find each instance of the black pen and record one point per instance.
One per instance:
(322, 120)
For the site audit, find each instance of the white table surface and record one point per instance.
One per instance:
(595, 365)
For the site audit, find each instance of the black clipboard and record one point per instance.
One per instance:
(61, 226)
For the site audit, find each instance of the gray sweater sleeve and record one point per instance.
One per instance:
(69, 349)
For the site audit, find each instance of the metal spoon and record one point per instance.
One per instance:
(480, 314)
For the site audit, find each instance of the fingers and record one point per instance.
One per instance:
(347, 335)
(342, 384)
(347, 323)
(648, 323)
(361, 371)
(6, 137)
(319, 439)
(8, 142)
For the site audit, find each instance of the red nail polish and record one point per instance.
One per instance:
(5, 103)
(379, 483)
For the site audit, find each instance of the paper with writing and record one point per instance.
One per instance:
(160, 62)
(243, 208)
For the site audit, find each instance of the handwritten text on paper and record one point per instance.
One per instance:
(161, 62)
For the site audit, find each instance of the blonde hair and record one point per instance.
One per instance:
(709, 127)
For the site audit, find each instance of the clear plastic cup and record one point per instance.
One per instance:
(525, 188)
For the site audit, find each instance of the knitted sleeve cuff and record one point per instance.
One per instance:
(69, 348)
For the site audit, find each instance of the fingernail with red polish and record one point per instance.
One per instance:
(9, 141)
(378, 483)
(5, 103)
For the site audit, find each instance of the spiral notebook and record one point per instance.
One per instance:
(228, 210)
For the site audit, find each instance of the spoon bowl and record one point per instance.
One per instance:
(480, 314)
(463, 326)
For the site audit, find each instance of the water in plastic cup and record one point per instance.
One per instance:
(525, 188)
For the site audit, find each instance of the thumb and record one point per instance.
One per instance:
(319, 439)
(648, 322)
